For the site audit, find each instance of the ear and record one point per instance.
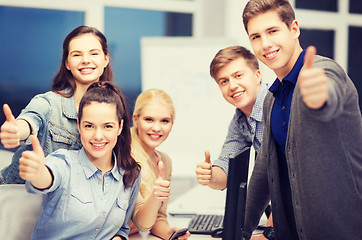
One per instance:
(295, 28)
(78, 125)
(107, 60)
(120, 127)
(134, 119)
(258, 76)
(66, 65)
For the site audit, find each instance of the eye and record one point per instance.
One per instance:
(88, 126)
(253, 37)
(222, 82)
(148, 119)
(109, 126)
(239, 75)
(273, 31)
(165, 121)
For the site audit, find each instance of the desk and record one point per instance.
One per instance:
(197, 200)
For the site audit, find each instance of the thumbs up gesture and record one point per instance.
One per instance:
(313, 82)
(161, 187)
(32, 164)
(204, 170)
(9, 132)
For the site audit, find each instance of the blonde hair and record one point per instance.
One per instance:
(138, 152)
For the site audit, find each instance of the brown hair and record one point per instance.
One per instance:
(64, 79)
(256, 7)
(226, 55)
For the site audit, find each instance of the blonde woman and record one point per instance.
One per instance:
(153, 119)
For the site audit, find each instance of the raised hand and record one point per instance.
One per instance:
(313, 82)
(161, 187)
(204, 170)
(9, 132)
(32, 164)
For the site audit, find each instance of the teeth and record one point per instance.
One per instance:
(237, 94)
(86, 70)
(98, 144)
(155, 136)
(270, 54)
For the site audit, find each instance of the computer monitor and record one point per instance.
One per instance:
(236, 195)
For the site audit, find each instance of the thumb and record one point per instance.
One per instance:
(8, 114)
(207, 157)
(161, 170)
(36, 145)
(309, 57)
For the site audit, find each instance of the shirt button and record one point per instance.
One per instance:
(97, 229)
(283, 108)
(284, 123)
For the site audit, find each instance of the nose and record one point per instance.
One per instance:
(233, 83)
(265, 42)
(98, 134)
(156, 126)
(85, 58)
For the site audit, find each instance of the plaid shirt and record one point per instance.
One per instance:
(243, 132)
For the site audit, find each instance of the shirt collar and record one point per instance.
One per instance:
(292, 75)
(257, 111)
(90, 169)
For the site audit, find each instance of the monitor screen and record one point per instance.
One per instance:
(236, 195)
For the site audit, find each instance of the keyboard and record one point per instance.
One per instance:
(205, 223)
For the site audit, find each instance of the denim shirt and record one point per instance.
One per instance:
(53, 118)
(243, 132)
(80, 204)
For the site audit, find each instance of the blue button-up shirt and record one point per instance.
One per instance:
(80, 204)
(283, 93)
(53, 119)
(243, 132)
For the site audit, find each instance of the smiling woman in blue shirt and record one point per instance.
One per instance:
(52, 116)
(88, 193)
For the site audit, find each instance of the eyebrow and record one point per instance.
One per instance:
(78, 51)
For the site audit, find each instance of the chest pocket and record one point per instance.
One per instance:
(119, 210)
(63, 138)
(80, 207)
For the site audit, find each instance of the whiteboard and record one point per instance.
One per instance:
(180, 66)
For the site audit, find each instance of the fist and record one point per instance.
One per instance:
(313, 82)
(161, 187)
(32, 162)
(9, 132)
(204, 170)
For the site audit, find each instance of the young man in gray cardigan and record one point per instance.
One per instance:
(310, 161)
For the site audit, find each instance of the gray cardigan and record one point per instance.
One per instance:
(324, 157)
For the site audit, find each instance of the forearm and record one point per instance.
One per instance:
(147, 214)
(218, 179)
(161, 229)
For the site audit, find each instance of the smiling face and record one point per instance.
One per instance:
(239, 84)
(99, 128)
(274, 43)
(86, 59)
(153, 125)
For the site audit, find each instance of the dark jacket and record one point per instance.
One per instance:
(324, 157)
